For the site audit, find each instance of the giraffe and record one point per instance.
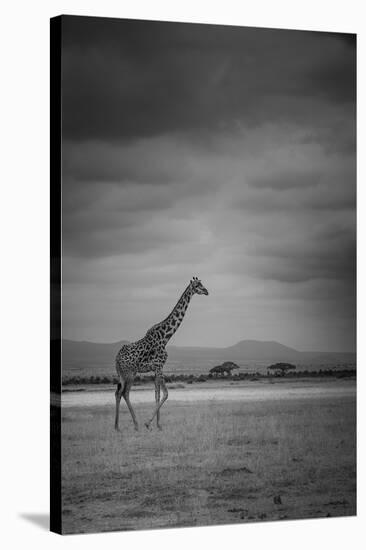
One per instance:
(149, 355)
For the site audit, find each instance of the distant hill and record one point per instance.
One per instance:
(256, 349)
(95, 358)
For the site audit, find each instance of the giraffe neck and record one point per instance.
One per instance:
(170, 325)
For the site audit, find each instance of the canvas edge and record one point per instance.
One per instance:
(55, 275)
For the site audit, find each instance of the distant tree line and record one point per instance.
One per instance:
(193, 378)
(280, 369)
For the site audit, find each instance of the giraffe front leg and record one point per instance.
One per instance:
(162, 385)
(157, 401)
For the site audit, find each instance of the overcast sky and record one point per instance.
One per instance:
(222, 152)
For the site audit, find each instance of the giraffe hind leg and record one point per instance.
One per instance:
(160, 404)
(157, 401)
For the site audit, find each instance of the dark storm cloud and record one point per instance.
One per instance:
(126, 79)
(285, 181)
(102, 222)
(147, 161)
(325, 256)
(222, 152)
(302, 180)
(328, 197)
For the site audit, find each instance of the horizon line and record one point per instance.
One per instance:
(216, 347)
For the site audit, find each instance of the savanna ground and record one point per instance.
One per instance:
(215, 462)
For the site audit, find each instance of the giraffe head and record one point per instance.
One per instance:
(198, 287)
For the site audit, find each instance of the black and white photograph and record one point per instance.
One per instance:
(204, 291)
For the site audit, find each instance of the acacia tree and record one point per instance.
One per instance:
(225, 368)
(280, 369)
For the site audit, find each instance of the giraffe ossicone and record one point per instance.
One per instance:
(149, 355)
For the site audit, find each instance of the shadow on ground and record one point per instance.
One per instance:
(40, 520)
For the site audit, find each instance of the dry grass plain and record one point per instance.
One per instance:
(213, 463)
